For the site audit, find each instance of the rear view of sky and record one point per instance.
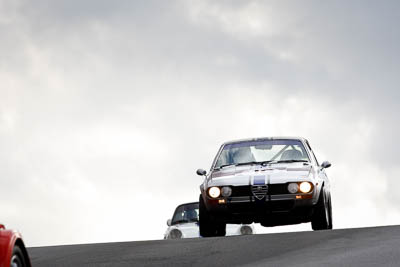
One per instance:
(107, 108)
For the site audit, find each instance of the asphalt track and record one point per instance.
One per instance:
(375, 246)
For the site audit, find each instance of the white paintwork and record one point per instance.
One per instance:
(278, 173)
(191, 230)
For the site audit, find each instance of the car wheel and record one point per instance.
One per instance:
(205, 221)
(321, 219)
(330, 214)
(220, 228)
(209, 226)
(17, 259)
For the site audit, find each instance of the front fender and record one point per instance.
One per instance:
(321, 189)
(9, 239)
(7, 242)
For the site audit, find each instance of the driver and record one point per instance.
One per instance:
(191, 215)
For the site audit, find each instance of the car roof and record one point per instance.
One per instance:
(187, 204)
(265, 138)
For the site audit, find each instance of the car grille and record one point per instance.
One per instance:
(278, 189)
(246, 190)
(259, 191)
(241, 191)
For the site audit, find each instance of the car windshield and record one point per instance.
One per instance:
(262, 151)
(186, 213)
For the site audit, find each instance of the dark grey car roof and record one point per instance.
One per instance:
(187, 204)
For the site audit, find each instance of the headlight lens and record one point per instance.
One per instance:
(305, 187)
(175, 234)
(214, 192)
(246, 230)
(226, 191)
(293, 188)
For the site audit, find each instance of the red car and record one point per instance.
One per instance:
(12, 249)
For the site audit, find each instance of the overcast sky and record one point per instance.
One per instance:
(107, 108)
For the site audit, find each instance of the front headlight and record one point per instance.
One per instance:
(214, 192)
(293, 188)
(175, 234)
(246, 230)
(305, 187)
(226, 191)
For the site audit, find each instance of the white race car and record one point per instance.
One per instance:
(185, 224)
(271, 180)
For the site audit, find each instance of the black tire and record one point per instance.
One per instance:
(17, 258)
(330, 214)
(208, 225)
(204, 219)
(322, 216)
(220, 229)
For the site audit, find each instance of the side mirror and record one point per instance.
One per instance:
(201, 172)
(326, 164)
(169, 222)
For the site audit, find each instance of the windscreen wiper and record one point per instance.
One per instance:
(243, 163)
(266, 162)
(288, 161)
(248, 163)
(225, 165)
(237, 164)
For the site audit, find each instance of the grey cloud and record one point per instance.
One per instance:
(102, 103)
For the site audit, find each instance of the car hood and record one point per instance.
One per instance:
(256, 174)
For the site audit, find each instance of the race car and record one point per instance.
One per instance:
(273, 181)
(12, 249)
(185, 224)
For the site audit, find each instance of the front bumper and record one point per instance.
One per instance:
(275, 209)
